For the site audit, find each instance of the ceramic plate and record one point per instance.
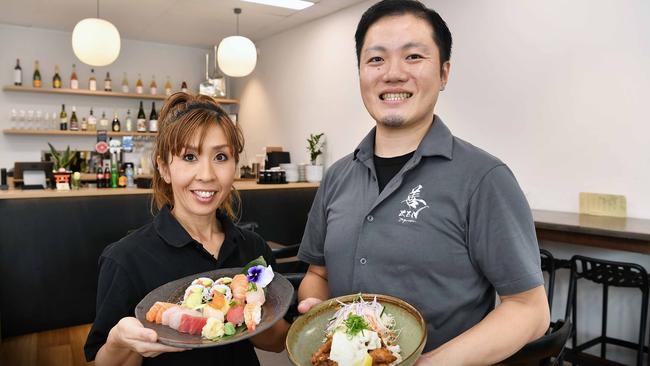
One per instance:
(279, 294)
(307, 333)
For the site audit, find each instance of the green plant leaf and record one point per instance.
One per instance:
(259, 261)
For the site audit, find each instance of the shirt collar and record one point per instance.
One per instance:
(438, 141)
(173, 233)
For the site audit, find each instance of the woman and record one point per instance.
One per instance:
(196, 152)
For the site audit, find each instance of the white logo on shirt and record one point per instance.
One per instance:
(414, 205)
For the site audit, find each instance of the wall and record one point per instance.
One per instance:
(54, 47)
(556, 89)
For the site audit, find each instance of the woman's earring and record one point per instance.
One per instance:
(442, 88)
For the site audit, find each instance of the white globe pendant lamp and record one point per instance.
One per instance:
(237, 54)
(95, 41)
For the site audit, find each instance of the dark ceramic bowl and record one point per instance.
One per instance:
(279, 294)
(307, 333)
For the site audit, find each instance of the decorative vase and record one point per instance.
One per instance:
(314, 173)
(62, 180)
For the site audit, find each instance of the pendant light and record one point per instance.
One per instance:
(236, 54)
(95, 41)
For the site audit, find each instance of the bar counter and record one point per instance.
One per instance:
(50, 242)
(618, 233)
(240, 185)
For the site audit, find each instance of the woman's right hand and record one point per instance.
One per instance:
(131, 334)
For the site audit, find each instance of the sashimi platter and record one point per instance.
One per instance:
(217, 307)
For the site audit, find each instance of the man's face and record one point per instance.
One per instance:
(399, 71)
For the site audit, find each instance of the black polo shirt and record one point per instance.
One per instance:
(155, 254)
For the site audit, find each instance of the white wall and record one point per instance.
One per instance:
(54, 47)
(556, 89)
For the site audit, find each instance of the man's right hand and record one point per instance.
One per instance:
(308, 303)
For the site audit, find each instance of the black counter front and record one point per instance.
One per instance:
(49, 248)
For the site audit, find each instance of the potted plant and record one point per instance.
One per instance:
(62, 164)
(314, 172)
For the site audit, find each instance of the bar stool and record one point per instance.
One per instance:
(607, 273)
(548, 265)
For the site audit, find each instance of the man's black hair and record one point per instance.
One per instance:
(441, 34)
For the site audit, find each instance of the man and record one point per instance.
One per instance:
(419, 214)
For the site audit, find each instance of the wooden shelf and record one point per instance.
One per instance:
(98, 93)
(14, 131)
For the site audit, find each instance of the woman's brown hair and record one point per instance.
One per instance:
(181, 117)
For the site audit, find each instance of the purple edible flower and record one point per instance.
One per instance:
(259, 275)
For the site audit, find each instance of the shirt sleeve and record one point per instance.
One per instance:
(312, 246)
(115, 300)
(501, 234)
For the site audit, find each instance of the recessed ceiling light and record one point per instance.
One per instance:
(290, 4)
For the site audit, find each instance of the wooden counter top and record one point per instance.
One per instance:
(89, 192)
(628, 234)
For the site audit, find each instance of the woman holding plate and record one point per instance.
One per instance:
(196, 153)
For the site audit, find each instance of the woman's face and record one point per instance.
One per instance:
(201, 181)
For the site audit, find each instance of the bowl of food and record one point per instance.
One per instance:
(357, 330)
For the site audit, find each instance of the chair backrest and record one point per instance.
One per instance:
(548, 265)
(543, 348)
(608, 273)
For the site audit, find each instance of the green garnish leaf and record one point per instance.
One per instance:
(251, 287)
(259, 261)
(355, 324)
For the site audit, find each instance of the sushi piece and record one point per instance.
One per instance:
(167, 314)
(163, 307)
(176, 318)
(236, 314)
(153, 311)
(252, 315)
(222, 289)
(239, 285)
(219, 302)
(223, 281)
(203, 281)
(256, 295)
(210, 312)
(191, 324)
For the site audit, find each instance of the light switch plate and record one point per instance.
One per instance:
(602, 204)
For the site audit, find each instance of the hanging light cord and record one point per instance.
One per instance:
(237, 12)
(97, 9)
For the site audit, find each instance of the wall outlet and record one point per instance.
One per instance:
(603, 204)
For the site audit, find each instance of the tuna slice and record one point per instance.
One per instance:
(192, 324)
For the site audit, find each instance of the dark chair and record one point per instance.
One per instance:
(606, 273)
(548, 265)
(546, 350)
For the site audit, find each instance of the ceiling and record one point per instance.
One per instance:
(194, 23)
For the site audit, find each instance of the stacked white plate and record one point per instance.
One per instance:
(302, 174)
(291, 172)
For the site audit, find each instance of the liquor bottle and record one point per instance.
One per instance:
(114, 175)
(153, 87)
(168, 87)
(74, 81)
(36, 80)
(206, 87)
(138, 85)
(56, 80)
(116, 123)
(84, 124)
(121, 181)
(107, 82)
(100, 177)
(218, 79)
(18, 74)
(125, 84)
(63, 118)
(92, 82)
(153, 118)
(92, 121)
(107, 177)
(142, 120)
(184, 87)
(103, 123)
(129, 121)
(74, 123)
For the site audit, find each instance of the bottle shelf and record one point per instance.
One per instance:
(98, 93)
(33, 132)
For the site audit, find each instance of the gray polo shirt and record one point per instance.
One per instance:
(450, 228)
